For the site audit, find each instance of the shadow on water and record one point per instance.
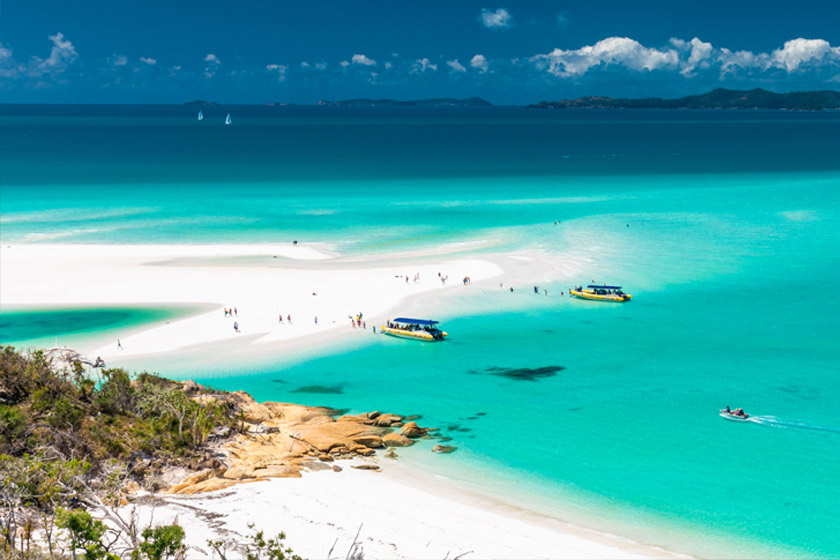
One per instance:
(319, 389)
(520, 374)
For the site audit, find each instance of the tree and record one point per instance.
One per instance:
(161, 542)
(85, 533)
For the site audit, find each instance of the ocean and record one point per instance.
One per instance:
(724, 225)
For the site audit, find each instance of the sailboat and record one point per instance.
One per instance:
(200, 116)
(227, 119)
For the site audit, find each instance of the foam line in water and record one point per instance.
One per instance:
(796, 424)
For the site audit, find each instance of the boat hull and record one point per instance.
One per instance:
(735, 417)
(582, 294)
(412, 335)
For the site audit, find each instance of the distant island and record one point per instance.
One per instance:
(716, 99)
(437, 102)
(201, 103)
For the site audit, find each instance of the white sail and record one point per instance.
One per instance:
(200, 116)
(227, 119)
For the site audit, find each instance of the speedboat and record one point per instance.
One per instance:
(416, 329)
(737, 414)
(600, 292)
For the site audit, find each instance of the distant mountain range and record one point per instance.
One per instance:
(201, 103)
(437, 102)
(716, 99)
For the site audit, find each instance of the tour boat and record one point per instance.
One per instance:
(601, 293)
(417, 329)
(737, 414)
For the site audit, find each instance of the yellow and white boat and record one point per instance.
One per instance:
(416, 329)
(601, 293)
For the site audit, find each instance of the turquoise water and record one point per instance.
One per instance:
(38, 328)
(723, 226)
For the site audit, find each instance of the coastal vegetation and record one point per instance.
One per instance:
(719, 98)
(76, 444)
(70, 444)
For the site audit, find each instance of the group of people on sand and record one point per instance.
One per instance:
(232, 312)
(358, 322)
(288, 319)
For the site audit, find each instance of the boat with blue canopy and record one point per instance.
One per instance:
(416, 329)
(600, 292)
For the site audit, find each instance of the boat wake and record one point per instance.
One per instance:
(795, 424)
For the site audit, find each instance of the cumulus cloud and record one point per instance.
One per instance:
(147, 60)
(499, 19)
(691, 57)
(278, 70)
(344, 64)
(797, 52)
(363, 60)
(118, 60)
(8, 66)
(479, 62)
(213, 63)
(388, 65)
(698, 52)
(61, 56)
(621, 51)
(421, 65)
(455, 66)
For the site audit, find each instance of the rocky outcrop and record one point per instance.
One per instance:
(281, 439)
(412, 430)
(397, 440)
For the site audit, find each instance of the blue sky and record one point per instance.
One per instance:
(255, 51)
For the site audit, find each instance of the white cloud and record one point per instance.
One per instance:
(320, 65)
(363, 60)
(61, 56)
(147, 60)
(118, 60)
(799, 51)
(500, 19)
(621, 51)
(304, 64)
(213, 63)
(456, 66)
(344, 64)
(479, 62)
(279, 70)
(421, 65)
(388, 65)
(699, 54)
(8, 67)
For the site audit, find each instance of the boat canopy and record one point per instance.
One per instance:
(604, 287)
(414, 321)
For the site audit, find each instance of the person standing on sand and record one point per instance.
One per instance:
(235, 326)
(289, 319)
(316, 319)
(281, 318)
(119, 344)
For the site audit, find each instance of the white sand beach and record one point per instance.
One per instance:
(397, 513)
(262, 283)
(401, 514)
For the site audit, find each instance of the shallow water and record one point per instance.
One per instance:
(723, 226)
